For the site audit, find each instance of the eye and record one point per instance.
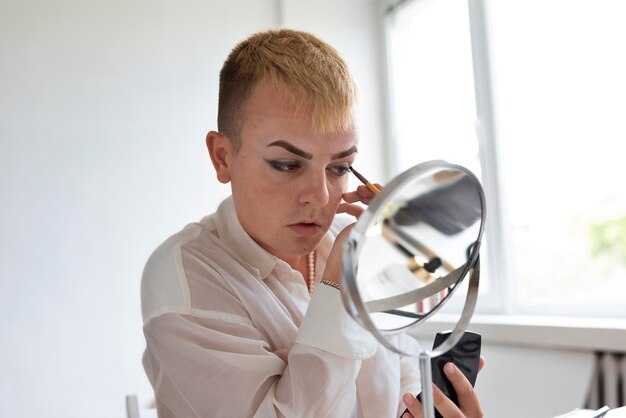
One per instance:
(286, 166)
(340, 169)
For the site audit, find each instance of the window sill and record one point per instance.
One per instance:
(573, 334)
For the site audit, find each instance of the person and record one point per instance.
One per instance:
(242, 313)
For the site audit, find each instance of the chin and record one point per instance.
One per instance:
(307, 247)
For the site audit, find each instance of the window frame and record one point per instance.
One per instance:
(500, 294)
(502, 297)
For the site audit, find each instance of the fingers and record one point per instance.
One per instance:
(354, 210)
(481, 364)
(469, 404)
(445, 406)
(413, 405)
(467, 397)
(361, 194)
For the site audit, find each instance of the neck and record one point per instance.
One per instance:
(306, 264)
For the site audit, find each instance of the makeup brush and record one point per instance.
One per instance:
(367, 184)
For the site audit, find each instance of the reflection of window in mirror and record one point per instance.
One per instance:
(560, 98)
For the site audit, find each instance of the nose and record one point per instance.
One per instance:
(314, 190)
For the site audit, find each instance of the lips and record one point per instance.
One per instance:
(305, 228)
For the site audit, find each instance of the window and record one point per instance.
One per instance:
(552, 169)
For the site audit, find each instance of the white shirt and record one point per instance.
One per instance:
(231, 331)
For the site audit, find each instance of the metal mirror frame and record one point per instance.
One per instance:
(351, 248)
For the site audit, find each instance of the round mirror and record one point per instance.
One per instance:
(410, 251)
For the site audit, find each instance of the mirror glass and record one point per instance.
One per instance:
(412, 247)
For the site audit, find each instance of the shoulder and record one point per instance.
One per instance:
(164, 286)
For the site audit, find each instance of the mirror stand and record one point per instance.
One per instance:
(409, 253)
(426, 375)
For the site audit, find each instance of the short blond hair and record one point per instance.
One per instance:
(312, 73)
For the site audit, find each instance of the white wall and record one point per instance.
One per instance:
(524, 382)
(103, 110)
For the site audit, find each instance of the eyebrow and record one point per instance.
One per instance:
(342, 154)
(295, 150)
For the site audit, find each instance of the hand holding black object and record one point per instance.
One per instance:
(465, 355)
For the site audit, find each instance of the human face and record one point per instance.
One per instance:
(287, 180)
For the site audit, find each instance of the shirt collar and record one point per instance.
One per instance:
(232, 233)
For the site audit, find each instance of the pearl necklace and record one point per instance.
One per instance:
(311, 278)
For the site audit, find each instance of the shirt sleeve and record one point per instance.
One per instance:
(221, 366)
(328, 326)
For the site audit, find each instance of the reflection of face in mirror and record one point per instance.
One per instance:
(418, 244)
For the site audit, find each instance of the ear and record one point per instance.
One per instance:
(221, 151)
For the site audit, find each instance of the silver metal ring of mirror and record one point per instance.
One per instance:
(413, 250)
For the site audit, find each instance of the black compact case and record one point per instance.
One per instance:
(465, 355)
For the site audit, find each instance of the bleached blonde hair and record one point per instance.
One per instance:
(311, 73)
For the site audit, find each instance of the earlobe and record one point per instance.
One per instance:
(220, 150)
